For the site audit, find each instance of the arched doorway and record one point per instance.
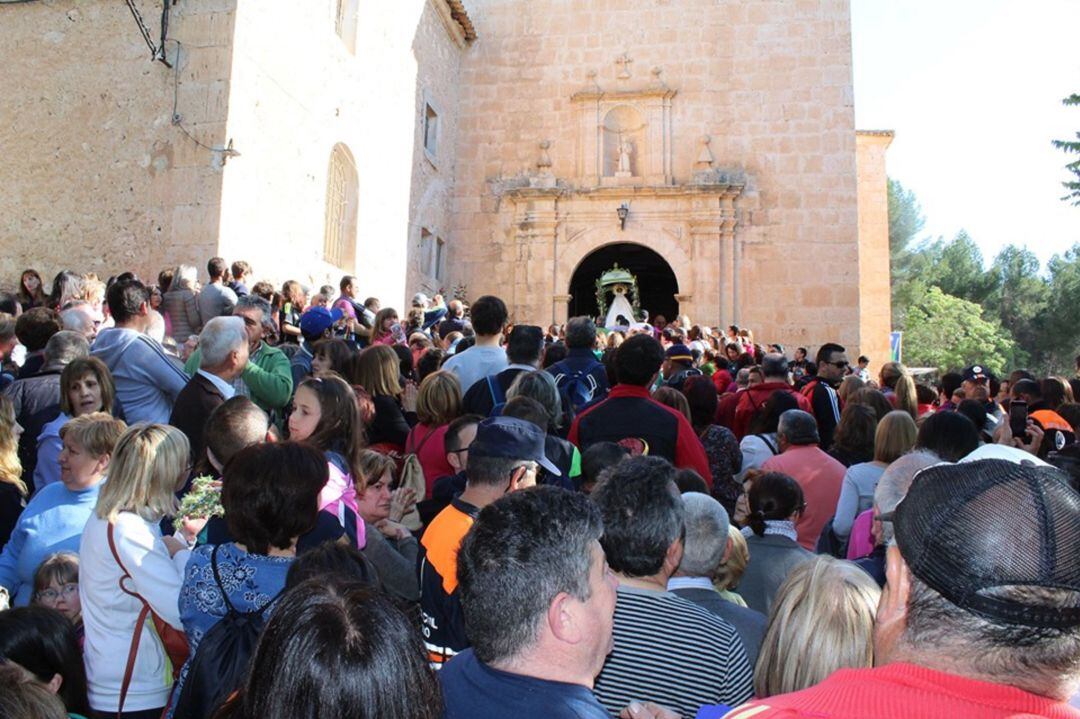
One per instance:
(655, 278)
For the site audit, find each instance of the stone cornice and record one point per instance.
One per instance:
(663, 93)
(728, 189)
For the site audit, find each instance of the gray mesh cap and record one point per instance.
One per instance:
(967, 529)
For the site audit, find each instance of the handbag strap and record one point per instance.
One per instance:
(422, 442)
(225, 595)
(136, 635)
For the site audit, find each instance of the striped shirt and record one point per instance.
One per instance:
(672, 652)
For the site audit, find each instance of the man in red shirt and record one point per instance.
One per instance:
(775, 369)
(981, 613)
(819, 475)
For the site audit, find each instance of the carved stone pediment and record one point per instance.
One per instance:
(624, 136)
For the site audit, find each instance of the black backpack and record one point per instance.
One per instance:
(220, 664)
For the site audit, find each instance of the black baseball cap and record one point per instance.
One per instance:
(976, 373)
(511, 438)
(964, 529)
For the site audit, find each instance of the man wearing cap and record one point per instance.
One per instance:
(503, 457)
(678, 365)
(980, 615)
(976, 385)
(524, 349)
(434, 309)
(774, 368)
(632, 418)
(315, 324)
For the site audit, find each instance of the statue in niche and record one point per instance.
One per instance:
(625, 148)
(622, 285)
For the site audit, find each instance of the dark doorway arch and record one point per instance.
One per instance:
(656, 280)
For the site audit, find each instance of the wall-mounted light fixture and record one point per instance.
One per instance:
(623, 212)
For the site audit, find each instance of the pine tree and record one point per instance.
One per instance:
(1072, 147)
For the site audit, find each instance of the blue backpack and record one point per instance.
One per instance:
(580, 387)
(498, 396)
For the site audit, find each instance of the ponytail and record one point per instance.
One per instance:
(906, 397)
(756, 522)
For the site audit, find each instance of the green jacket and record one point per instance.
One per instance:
(268, 378)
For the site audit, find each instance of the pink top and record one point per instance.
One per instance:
(339, 492)
(820, 477)
(861, 542)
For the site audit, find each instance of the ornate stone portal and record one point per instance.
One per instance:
(624, 159)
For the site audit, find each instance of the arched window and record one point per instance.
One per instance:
(345, 21)
(342, 198)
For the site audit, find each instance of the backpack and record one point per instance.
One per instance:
(220, 664)
(412, 475)
(498, 396)
(579, 386)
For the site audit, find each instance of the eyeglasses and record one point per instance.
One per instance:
(51, 595)
(840, 365)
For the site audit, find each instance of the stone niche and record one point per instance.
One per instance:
(624, 138)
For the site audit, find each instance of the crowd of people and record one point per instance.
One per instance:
(235, 501)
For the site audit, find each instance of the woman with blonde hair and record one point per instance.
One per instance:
(438, 403)
(822, 620)
(55, 517)
(895, 436)
(127, 565)
(899, 388)
(848, 386)
(731, 569)
(180, 304)
(378, 370)
(13, 491)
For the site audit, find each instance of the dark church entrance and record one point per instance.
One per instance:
(655, 278)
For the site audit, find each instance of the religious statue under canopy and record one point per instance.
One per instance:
(622, 309)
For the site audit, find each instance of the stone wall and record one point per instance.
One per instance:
(96, 176)
(769, 83)
(298, 92)
(437, 48)
(875, 290)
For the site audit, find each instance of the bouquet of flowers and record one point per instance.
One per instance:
(202, 501)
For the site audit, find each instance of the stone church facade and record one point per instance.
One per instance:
(505, 146)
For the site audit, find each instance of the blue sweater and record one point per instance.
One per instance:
(53, 521)
(147, 380)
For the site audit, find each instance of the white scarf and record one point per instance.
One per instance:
(781, 527)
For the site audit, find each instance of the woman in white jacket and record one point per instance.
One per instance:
(149, 464)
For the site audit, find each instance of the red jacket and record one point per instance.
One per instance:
(755, 397)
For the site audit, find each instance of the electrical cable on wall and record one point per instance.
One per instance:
(177, 118)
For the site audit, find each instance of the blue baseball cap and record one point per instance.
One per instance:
(511, 438)
(317, 320)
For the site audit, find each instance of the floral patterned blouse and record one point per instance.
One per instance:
(251, 581)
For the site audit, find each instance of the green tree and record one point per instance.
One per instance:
(959, 270)
(1020, 296)
(1059, 322)
(906, 262)
(947, 332)
(906, 221)
(1071, 147)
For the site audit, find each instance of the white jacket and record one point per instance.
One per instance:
(109, 614)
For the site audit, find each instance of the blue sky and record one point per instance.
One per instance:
(973, 89)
